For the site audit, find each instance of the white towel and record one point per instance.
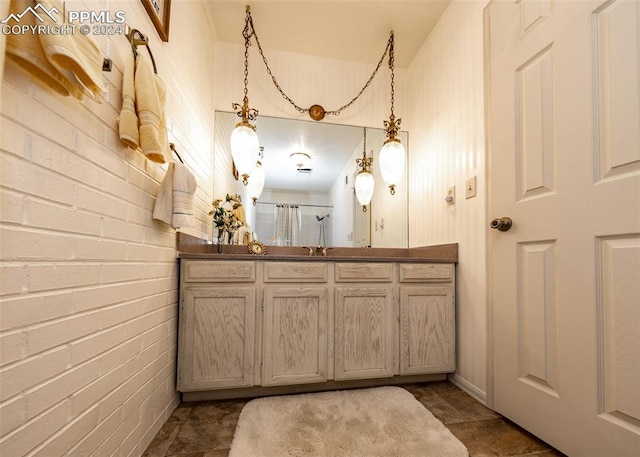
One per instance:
(184, 188)
(163, 208)
(174, 204)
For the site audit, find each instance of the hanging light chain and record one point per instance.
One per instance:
(364, 139)
(368, 83)
(388, 50)
(365, 162)
(243, 111)
(273, 78)
(392, 126)
(364, 183)
(392, 67)
(247, 43)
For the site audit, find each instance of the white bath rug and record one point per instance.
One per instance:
(378, 422)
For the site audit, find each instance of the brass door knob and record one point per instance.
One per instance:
(503, 224)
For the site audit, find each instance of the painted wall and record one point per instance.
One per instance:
(446, 125)
(88, 280)
(389, 213)
(343, 222)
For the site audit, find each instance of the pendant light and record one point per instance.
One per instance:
(392, 154)
(244, 140)
(256, 185)
(364, 179)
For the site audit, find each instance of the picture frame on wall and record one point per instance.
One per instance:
(160, 13)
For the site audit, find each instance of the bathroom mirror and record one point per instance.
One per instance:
(308, 197)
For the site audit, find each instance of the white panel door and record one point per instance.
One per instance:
(564, 145)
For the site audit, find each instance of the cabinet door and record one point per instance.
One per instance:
(294, 335)
(363, 332)
(217, 333)
(427, 324)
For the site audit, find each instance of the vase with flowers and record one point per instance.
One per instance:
(225, 218)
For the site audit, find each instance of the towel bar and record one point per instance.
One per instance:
(137, 38)
(173, 148)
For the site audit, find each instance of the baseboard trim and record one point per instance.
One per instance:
(469, 388)
(258, 391)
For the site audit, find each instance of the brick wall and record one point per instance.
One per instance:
(88, 281)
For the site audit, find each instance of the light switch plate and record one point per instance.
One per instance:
(470, 187)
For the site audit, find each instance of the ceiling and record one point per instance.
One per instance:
(353, 30)
(328, 145)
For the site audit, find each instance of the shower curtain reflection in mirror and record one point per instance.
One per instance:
(288, 223)
(322, 239)
(293, 223)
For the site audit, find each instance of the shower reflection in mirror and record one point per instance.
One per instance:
(285, 224)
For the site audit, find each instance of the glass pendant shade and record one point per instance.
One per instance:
(245, 149)
(256, 185)
(364, 187)
(392, 158)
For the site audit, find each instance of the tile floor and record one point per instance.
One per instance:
(205, 429)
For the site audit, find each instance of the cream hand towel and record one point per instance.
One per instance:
(150, 99)
(163, 208)
(75, 53)
(184, 188)
(26, 50)
(128, 119)
(174, 203)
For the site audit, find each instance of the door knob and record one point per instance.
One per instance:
(503, 224)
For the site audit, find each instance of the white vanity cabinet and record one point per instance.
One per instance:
(217, 325)
(295, 321)
(427, 318)
(364, 321)
(269, 324)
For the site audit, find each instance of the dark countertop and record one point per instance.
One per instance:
(190, 247)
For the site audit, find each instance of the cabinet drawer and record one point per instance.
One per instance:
(295, 272)
(433, 272)
(218, 271)
(363, 272)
